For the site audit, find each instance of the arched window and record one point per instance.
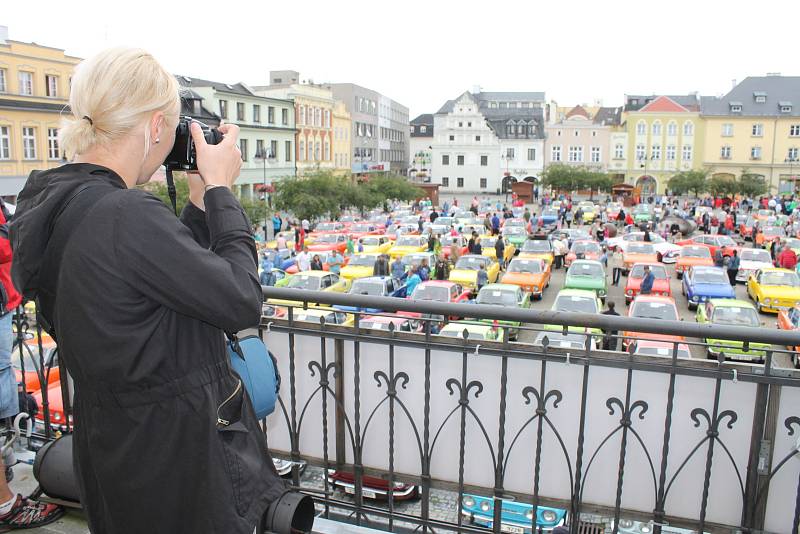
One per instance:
(656, 128)
(301, 147)
(316, 151)
(672, 128)
(302, 115)
(641, 128)
(688, 128)
(327, 151)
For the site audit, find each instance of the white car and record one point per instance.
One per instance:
(751, 260)
(667, 252)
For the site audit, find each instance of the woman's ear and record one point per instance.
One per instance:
(157, 126)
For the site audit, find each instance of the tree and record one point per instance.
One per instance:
(752, 185)
(722, 186)
(688, 181)
(571, 178)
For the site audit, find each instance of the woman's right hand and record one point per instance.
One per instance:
(219, 165)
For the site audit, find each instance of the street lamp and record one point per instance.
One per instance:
(791, 160)
(263, 154)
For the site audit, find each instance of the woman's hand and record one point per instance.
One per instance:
(218, 165)
(197, 189)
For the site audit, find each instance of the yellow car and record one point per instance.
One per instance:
(332, 316)
(408, 244)
(774, 289)
(537, 249)
(466, 269)
(359, 265)
(288, 235)
(487, 244)
(589, 211)
(376, 243)
(313, 281)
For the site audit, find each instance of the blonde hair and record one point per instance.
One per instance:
(111, 94)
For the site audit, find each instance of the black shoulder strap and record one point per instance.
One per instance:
(77, 207)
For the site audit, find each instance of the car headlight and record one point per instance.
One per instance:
(625, 523)
(601, 292)
(629, 292)
(645, 528)
(485, 506)
(695, 299)
(56, 416)
(529, 514)
(549, 516)
(468, 501)
(767, 301)
(536, 288)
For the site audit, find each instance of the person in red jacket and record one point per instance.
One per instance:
(787, 258)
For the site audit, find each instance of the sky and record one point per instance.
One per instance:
(422, 53)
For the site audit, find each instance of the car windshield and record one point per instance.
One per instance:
(326, 227)
(362, 261)
(665, 351)
(328, 238)
(725, 241)
(641, 248)
(780, 278)
(576, 304)
(757, 254)
(554, 339)
(415, 259)
(708, 276)
(695, 252)
(302, 281)
(514, 230)
(643, 208)
(791, 243)
(448, 240)
(514, 223)
(429, 292)
(744, 316)
(549, 213)
(488, 241)
(370, 241)
(362, 228)
(499, 297)
(580, 268)
(471, 262)
(367, 287)
(585, 247)
(659, 272)
(409, 241)
(536, 245)
(525, 266)
(654, 310)
(765, 213)
(772, 231)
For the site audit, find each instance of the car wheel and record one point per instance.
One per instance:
(659, 258)
(691, 306)
(679, 275)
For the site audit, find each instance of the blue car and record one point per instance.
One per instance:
(703, 283)
(516, 517)
(549, 216)
(377, 286)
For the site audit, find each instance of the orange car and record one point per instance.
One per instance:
(790, 320)
(531, 274)
(769, 233)
(691, 256)
(638, 252)
(589, 249)
(328, 242)
(32, 363)
(652, 307)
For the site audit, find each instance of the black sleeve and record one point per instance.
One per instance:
(165, 260)
(195, 220)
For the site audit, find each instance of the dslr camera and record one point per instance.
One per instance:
(184, 155)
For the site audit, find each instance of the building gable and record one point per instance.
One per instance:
(663, 104)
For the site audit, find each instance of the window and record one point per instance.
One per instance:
(640, 152)
(52, 144)
(288, 150)
(792, 155)
(594, 133)
(256, 113)
(758, 130)
(688, 128)
(478, 138)
(223, 109)
(558, 133)
(725, 152)
(794, 130)
(445, 181)
(243, 148)
(301, 151)
(469, 125)
(761, 98)
(755, 152)
(302, 115)
(317, 151)
(260, 148)
(656, 128)
(671, 152)
(423, 129)
(595, 157)
(531, 154)
(483, 183)
(736, 108)
(727, 130)
(619, 151)
(452, 137)
(3, 83)
(460, 124)
(445, 159)
(318, 119)
(509, 153)
(575, 153)
(459, 182)
(459, 160)
(240, 111)
(576, 133)
(28, 143)
(327, 118)
(672, 128)
(25, 83)
(52, 84)
(555, 153)
(273, 149)
(687, 152)
(786, 108)
(327, 152)
(270, 115)
(5, 142)
(655, 152)
(284, 116)
(484, 161)
(641, 128)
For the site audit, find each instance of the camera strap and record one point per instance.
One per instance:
(171, 191)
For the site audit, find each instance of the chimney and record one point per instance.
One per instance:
(3, 34)
(733, 83)
(476, 89)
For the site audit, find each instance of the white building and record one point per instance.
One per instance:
(420, 146)
(480, 138)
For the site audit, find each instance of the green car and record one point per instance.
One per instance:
(576, 301)
(643, 213)
(732, 312)
(508, 296)
(589, 275)
(516, 235)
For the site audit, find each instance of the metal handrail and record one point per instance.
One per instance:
(787, 338)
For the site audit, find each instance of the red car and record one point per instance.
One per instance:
(652, 307)
(590, 249)
(331, 227)
(712, 243)
(323, 256)
(439, 291)
(660, 284)
(31, 359)
(361, 229)
(328, 242)
(372, 487)
(448, 240)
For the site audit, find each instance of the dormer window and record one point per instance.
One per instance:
(785, 107)
(760, 97)
(736, 107)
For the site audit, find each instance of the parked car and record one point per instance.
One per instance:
(751, 260)
(532, 275)
(662, 349)
(515, 517)
(770, 234)
(570, 340)
(702, 283)
(507, 296)
(584, 248)
(652, 307)
(661, 285)
(474, 331)
(732, 312)
(466, 269)
(638, 253)
(713, 243)
(587, 274)
(537, 249)
(317, 314)
(576, 301)
(436, 291)
(408, 244)
(447, 241)
(382, 322)
(488, 242)
(359, 265)
(790, 320)
(774, 289)
(376, 243)
(328, 242)
(692, 256)
(549, 216)
(314, 281)
(360, 229)
(372, 487)
(32, 364)
(515, 235)
(376, 286)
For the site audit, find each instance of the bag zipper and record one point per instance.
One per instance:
(220, 420)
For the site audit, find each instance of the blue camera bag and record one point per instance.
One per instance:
(258, 369)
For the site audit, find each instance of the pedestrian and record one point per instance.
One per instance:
(433, 216)
(420, 224)
(718, 257)
(266, 277)
(398, 268)
(560, 249)
(299, 238)
(499, 250)
(424, 270)
(442, 269)
(437, 245)
(610, 340)
(280, 242)
(787, 258)
(495, 224)
(303, 260)
(615, 262)
(733, 267)
(277, 223)
(381, 266)
(335, 261)
(477, 248)
(647, 281)
(316, 263)
(487, 223)
(349, 247)
(471, 243)
(413, 280)
(455, 252)
(482, 277)
(526, 215)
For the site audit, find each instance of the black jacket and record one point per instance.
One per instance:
(142, 301)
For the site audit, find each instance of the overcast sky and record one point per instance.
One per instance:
(422, 53)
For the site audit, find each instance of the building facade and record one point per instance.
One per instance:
(34, 91)
(582, 137)
(342, 146)
(755, 129)
(421, 148)
(266, 130)
(664, 137)
(481, 138)
(379, 129)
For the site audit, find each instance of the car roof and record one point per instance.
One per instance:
(709, 268)
(577, 293)
(370, 254)
(649, 264)
(500, 286)
(654, 298)
(438, 283)
(313, 274)
(731, 303)
(374, 278)
(315, 311)
(592, 262)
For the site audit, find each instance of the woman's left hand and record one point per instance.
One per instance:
(197, 189)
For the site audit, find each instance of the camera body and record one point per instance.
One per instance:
(184, 155)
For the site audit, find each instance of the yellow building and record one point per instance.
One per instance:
(755, 129)
(34, 90)
(342, 147)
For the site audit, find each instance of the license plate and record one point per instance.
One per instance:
(511, 529)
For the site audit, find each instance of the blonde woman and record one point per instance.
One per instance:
(165, 440)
